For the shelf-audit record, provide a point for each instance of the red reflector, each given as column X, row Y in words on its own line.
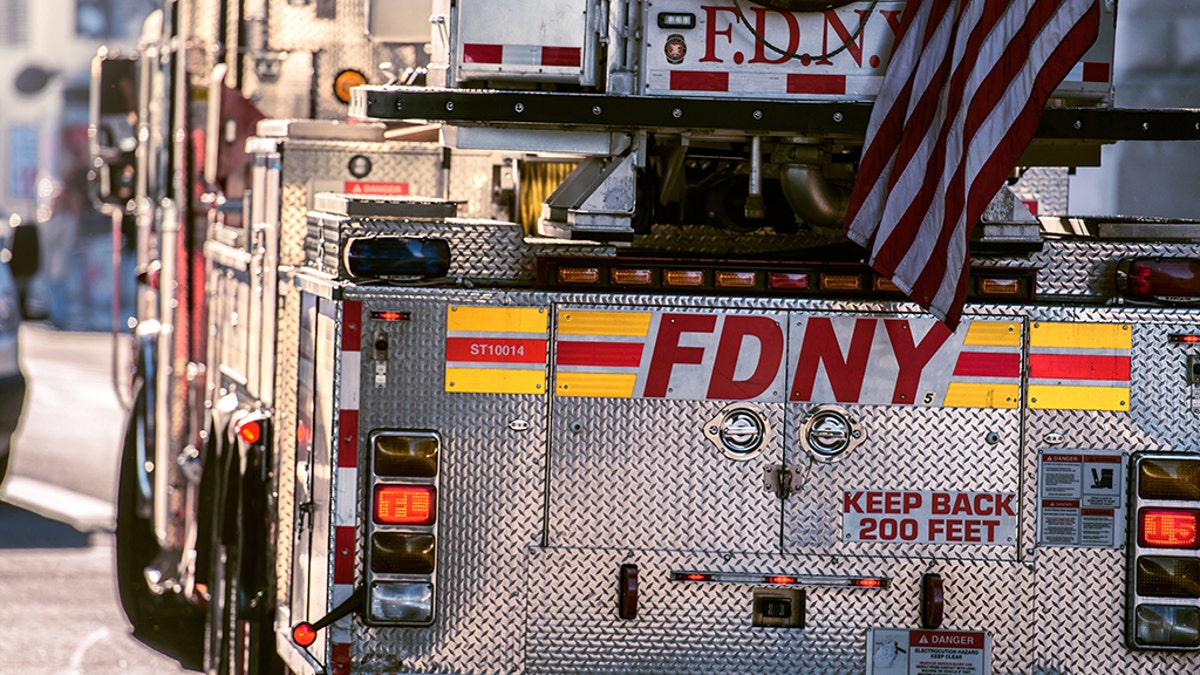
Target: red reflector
column 250, row 432
column 781, row 579
column 304, row 634
column 1167, row 528
column 868, row 583
column 797, row 281
column 405, row 505
column 628, row 591
column 1163, row 278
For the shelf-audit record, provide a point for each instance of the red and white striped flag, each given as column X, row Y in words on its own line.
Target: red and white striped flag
column 959, row 103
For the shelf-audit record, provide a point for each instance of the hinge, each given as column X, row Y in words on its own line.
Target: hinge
column 783, row 480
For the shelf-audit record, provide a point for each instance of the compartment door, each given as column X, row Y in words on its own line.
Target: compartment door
column 642, row 402
column 908, row 436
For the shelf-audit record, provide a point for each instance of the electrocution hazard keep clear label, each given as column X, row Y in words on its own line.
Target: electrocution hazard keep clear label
column 899, row 651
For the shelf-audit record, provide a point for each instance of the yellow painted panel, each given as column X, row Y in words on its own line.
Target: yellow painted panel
column 611, row 385
column 495, row 381
column 576, row 322
column 497, row 319
column 993, row 334
column 1060, row 397
column 982, row 395
column 1081, row 336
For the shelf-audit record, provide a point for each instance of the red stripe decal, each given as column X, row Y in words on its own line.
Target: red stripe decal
column 351, row 326
column 477, row 53
column 1078, row 367
column 343, row 555
column 495, row 350
column 600, row 354
column 1095, row 72
column 340, row 658
column 347, row 439
column 987, row 364
column 561, row 56
column 816, row 84
column 693, row 80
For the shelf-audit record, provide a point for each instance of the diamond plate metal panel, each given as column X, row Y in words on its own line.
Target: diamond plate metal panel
column 705, row 627
column 287, row 359
column 640, row 474
column 1081, row 592
column 310, row 166
column 491, row 499
column 906, row 448
column 1085, row 267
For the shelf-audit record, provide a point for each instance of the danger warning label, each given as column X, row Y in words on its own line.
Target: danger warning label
column 898, row 651
column 929, row 516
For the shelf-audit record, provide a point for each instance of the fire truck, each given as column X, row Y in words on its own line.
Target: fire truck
column 521, row 336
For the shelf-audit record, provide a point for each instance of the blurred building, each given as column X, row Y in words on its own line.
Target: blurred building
column 46, row 47
column 1156, row 65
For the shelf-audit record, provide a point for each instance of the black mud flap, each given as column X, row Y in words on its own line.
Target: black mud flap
column 166, row 623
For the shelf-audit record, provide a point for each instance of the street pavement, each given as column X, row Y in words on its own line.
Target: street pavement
column 59, row 613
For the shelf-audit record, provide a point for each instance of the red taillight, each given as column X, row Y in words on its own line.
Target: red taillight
column 781, row 579
column 304, row 634
column 869, row 583
column 250, row 432
column 405, row 504
column 1167, row 528
column 1161, row 278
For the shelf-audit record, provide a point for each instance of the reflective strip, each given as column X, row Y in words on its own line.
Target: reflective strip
column 496, row 319
column 1081, row 336
column 612, row 385
column 993, row 334
column 1073, row 397
column 579, row 322
column 339, row 660
column 495, row 381
column 523, row 55
column 972, row 395
column 346, row 507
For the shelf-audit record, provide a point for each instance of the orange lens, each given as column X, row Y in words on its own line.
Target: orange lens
column 304, row 634
column 405, row 505
column 250, row 432
column 1167, row 528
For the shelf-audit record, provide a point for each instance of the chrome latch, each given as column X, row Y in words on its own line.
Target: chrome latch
column 783, row 480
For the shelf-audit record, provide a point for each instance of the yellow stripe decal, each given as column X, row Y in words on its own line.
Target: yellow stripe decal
column 1081, row 335
column 1067, row 397
column 986, row 395
column 497, row 319
column 495, row 381
column 577, row 322
column 993, row 334
column 610, row 385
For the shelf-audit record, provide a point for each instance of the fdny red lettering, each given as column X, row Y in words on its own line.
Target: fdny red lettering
column 845, row 372
column 912, row 359
column 737, row 328
column 760, row 23
column 667, row 351
column 711, row 32
column 982, row 504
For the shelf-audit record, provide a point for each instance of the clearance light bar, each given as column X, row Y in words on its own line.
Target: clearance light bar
column 818, row 280
column 807, row 580
column 1163, row 567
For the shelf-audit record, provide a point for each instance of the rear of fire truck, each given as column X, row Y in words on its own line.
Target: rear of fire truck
column 593, row 382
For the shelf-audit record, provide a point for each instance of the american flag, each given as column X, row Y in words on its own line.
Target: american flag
column 959, row 103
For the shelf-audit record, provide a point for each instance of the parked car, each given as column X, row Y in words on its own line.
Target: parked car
column 19, row 260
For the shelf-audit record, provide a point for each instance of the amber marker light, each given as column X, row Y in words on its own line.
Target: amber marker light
column 405, row 505
column 736, row 279
column 629, row 276
column 304, row 634
column 683, row 278
column 578, row 275
column 250, row 432
column 345, row 81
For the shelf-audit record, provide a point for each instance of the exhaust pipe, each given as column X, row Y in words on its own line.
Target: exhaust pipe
column 811, row 197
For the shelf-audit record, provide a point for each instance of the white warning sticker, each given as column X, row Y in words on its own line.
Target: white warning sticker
column 899, row 651
column 929, row 517
column 1081, row 498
